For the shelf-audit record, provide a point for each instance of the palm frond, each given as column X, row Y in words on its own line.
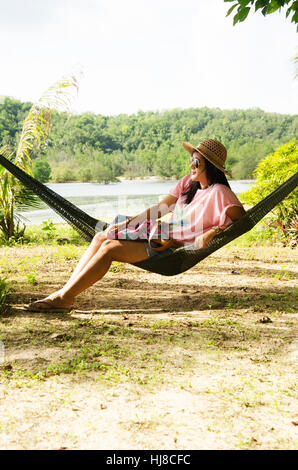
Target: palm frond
column 6, row 182
column 6, row 151
column 36, row 128
column 26, row 200
column 10, row 187
column 37, row 124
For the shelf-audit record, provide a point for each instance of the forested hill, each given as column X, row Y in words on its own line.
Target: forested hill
column 92, row 147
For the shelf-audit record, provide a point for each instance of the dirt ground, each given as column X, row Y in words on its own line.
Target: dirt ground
column 203, row 360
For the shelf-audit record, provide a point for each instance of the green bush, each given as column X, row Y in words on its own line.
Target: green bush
column 86, row 175
column 49, row 228
column 63, row 175
column 102, row 174
column 270, row 173
column 42, row 171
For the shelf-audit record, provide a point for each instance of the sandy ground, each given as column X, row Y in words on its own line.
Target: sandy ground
column 203, row 360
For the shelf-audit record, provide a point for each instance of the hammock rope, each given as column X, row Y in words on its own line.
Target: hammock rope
column 177, row 261
column 83, row 223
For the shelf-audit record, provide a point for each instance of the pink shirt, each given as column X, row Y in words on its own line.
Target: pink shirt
column 207, row 209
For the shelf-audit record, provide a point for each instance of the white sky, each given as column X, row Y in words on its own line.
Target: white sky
column 148, row 54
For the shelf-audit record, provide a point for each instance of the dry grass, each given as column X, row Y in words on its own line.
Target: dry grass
column 204, row 360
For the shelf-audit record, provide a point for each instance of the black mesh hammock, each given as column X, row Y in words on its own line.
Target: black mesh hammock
column 177, row 261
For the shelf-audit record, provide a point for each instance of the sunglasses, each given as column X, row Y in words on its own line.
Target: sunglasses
column 196, row 161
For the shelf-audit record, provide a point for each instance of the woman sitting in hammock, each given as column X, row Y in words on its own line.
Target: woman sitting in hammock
column 202, row 204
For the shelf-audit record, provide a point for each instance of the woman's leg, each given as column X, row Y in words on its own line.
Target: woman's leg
column 95, row 269
column 93, row 248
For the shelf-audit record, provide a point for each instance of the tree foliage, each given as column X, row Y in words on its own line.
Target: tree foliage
column 266, row 7
column 92, row 147
column 270, row 173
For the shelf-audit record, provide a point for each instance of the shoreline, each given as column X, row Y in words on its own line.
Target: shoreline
column 122, row 179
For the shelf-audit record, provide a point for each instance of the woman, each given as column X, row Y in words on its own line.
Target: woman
column 202, row 204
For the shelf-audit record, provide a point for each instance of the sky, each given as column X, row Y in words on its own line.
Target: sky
column 148, row 55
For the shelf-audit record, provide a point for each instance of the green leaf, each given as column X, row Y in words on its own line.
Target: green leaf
column 243, row 3
column 4, row 186
column 236, row 19
column 243, row 13
column 265, row 10
column 231, row 9
column 274, row 5
column 295, row 18
column 260, row 4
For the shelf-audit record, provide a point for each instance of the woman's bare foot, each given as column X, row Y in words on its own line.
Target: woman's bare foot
column 55, row 301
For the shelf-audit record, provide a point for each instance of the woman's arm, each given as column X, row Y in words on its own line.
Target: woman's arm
column 233, row 212
column 165, row 206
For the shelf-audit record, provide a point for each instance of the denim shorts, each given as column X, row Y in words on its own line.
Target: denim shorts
column 160, row 254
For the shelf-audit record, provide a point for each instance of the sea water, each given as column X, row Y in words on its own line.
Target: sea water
column 105, row 201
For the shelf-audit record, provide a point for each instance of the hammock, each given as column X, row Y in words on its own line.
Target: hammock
column 178, row 260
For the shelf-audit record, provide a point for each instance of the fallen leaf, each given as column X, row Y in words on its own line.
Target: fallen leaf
column 265, row 320
column 6, row 367
column 295, row 420
column 57, row 336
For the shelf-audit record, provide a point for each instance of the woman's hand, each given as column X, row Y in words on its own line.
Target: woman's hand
column 112, row 229
column 202, row 240
column 234, row 212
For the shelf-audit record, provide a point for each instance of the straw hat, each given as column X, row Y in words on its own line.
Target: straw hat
column 211, row 149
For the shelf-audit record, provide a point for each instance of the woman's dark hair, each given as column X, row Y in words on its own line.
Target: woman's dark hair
column 214, row 175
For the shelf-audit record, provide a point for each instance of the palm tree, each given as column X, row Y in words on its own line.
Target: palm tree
column 13, row 196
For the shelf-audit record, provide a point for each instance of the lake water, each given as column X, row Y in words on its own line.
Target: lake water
column 105, row 201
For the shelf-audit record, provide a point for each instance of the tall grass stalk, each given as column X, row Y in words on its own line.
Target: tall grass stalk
column 4, row 292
